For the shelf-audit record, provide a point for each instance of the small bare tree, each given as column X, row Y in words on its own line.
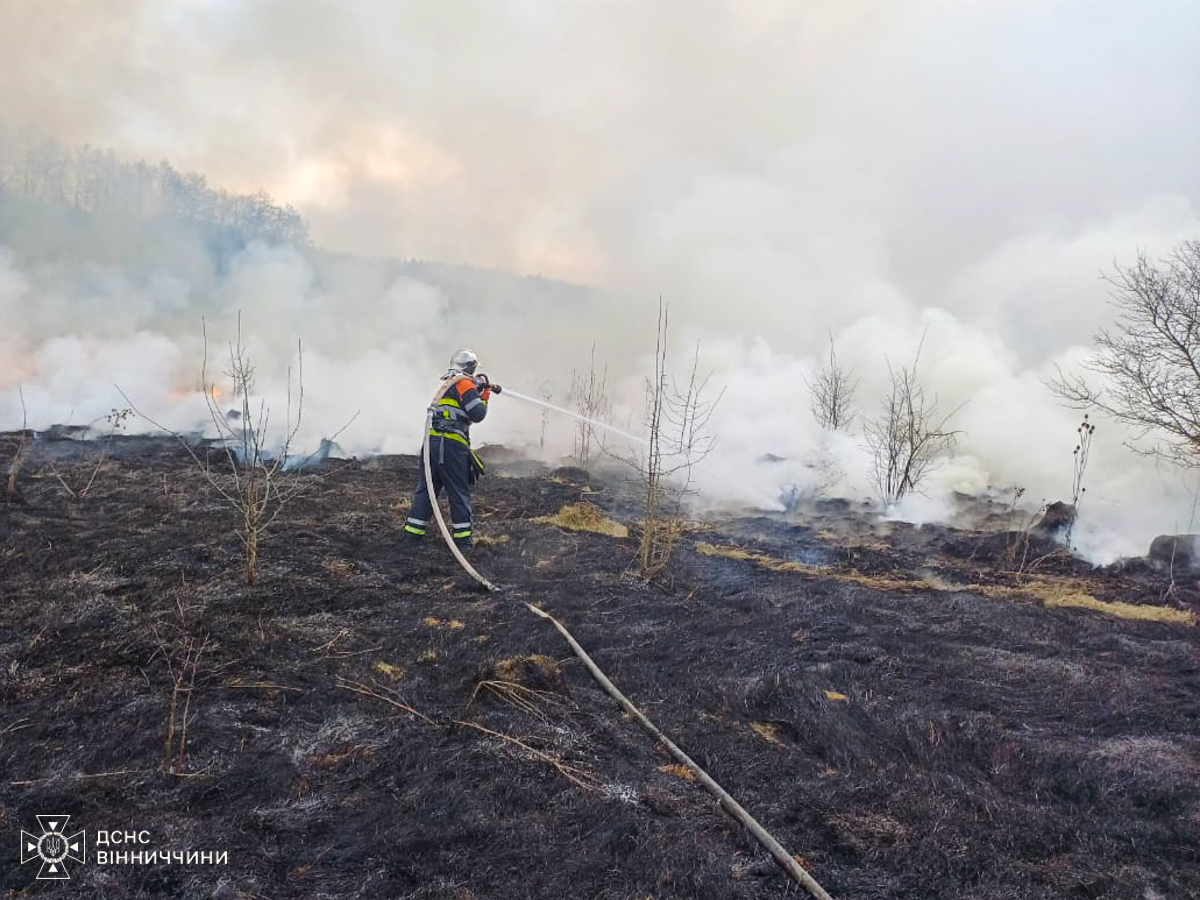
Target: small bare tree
column 677, row 419
column 14, row 465
column 909, row 436
column 546, row 393
column 831, row 393
column 1149, row 364
column 181, row 651
column 257, row 478
column 589, row 393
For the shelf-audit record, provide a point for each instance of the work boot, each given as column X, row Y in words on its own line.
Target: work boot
column 463, row 544
column 410, row 538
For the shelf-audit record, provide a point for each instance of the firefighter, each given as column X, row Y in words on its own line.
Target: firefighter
column 461, row 402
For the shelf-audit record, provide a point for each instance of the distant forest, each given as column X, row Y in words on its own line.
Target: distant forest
column 50, row 190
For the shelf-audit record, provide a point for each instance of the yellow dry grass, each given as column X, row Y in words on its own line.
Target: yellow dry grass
column 340, row 567
column 678, row 771
column 767, row 731
column 836, row 696
column 489, row 540
column 395, row 673
column 878, row 582
column 1051, row 591
column 1145, row 612
column 584, row 517
column 1061, row 592
column 514, row 668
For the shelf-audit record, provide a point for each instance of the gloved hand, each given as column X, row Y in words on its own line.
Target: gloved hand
column 485, row 387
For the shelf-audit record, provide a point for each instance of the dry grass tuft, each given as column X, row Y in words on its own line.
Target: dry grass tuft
column 836, row 696
column 535, row 672
column 393, row 672
column 767, row 731
column 340, row 567
column 487, row 540
column 585, row 517
column 678, row 771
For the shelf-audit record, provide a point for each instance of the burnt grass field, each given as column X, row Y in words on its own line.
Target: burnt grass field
column 897, row 706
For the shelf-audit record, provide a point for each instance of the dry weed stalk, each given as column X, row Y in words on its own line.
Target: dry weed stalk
column 578, row 776
column 116, row 421
column 14, row 466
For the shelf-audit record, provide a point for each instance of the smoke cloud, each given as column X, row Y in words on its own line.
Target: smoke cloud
column 777, row 171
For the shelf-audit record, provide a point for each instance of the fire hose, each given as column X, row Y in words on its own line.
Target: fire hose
column 783, row 859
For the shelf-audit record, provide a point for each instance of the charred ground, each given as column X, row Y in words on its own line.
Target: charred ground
column 894, row 704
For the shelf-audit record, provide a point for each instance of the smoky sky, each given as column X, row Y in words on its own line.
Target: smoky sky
column 758, row 151
column 952, row 175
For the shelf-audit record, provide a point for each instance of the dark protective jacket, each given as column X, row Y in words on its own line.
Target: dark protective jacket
column 459, row 405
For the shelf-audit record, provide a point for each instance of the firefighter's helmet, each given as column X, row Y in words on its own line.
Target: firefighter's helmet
column 465, row 361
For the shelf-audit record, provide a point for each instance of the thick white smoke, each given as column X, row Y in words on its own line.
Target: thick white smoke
column 777, row 171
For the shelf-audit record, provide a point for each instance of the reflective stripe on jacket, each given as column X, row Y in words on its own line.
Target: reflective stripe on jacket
column 458, row 406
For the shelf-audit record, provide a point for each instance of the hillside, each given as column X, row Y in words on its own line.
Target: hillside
column 893, row 703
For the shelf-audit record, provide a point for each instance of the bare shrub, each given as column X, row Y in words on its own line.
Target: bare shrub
column 14, row 465
column 677, row 418
column 1148, row 366
column 910, row 435
column 257, row 478
column 589, row 392
column 831, row 394
column 182, row 665
column 546, row 392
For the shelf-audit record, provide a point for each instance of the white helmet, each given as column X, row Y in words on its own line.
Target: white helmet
column 465, row 361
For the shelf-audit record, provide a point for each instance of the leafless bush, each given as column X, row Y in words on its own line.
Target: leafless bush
column 589, row 393
column 677, row 418
column 182, row 668
column 181, row 651
column 831, row 393
column 257, row 479
column 1149, row 365
column 546, row 393
column 14, row 466
column 910, row 435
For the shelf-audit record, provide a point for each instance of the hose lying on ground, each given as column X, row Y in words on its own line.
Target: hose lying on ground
column 437, row 509
column 783, row 859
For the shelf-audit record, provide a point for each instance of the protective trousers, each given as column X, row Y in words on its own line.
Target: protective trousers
column 450, row 465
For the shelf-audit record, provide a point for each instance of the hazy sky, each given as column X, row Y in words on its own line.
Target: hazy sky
column 626, row 139
column 777, row 169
